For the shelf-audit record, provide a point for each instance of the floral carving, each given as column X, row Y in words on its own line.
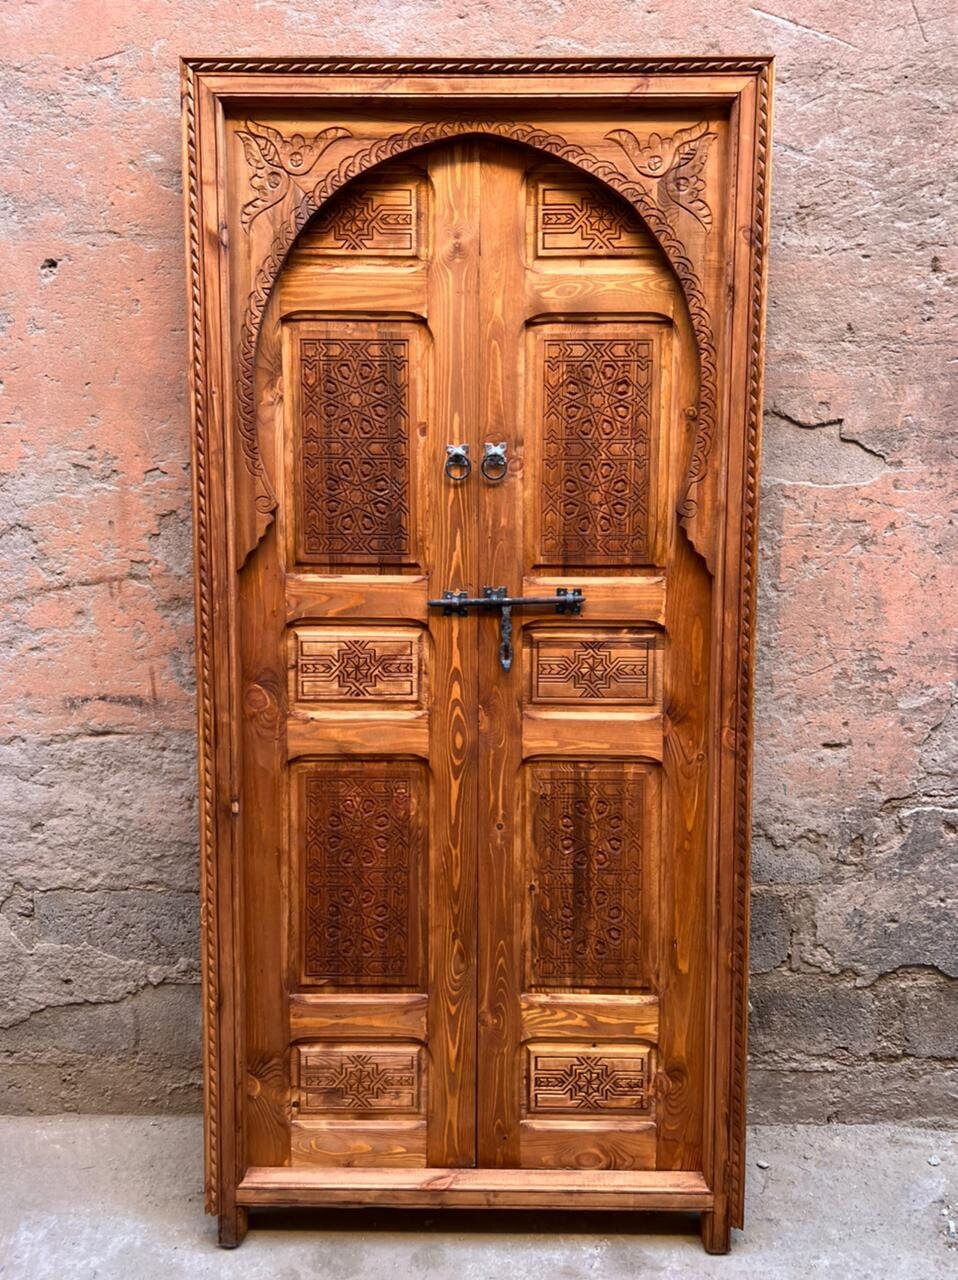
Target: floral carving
column 275, row 160
column 676, row 162
column 586, row 848
column 362, row 842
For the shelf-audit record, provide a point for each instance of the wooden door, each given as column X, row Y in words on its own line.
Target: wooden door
column 477, row 860
column 475, row 873
column 362, row 1037
column 591, row 868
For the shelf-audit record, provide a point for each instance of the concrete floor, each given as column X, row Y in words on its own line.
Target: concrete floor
column 118, row 1198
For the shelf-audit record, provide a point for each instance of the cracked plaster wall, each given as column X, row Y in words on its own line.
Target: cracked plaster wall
column 855, row 988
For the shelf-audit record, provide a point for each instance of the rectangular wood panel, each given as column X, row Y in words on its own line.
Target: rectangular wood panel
column 356, row 392
column 595, row 418
column 582, row 1079
column 361, row 836
column 358, row 1079
column 573, row 219
column 360, row 663
column 370, row 219
column 587, row 857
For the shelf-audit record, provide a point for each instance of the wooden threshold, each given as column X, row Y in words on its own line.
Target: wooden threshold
column 661, row 1190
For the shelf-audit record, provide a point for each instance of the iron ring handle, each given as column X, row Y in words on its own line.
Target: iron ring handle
column 494, row 463
column 458, row 463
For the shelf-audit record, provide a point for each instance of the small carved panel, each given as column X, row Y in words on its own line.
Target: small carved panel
column 583, row 1078
column 363, row 841
column 354, row 467
column 586, row 221
column 359, row 1079
column 356, row 663
column 585, row 847
column 374, row 219
column 596, row 434
column 593, row 667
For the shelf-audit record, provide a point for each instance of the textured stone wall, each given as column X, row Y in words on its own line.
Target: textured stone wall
column 855, row 955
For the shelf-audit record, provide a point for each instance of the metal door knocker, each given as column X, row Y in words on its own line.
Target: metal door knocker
column 494, row 464
column 458, row 464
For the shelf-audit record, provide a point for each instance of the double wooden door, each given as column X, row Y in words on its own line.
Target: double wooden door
column 474, row 877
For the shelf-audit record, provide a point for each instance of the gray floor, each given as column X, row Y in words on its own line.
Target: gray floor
column 119, row 1197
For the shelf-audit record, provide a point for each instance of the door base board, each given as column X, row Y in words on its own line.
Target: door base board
column 659, row 1190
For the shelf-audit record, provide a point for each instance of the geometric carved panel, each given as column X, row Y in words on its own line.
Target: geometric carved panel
column 575, row 220
column 596, row 432
column 581, row 1078
column 359, row 1079
column 585, row 848
column 369, row 218
column 356, row 662
column 363, row 844
column 590, row 667
column 354, row 503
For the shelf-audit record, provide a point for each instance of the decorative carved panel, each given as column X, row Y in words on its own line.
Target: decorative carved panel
column 354, row 467
column 596, row 434
column 363, row 843
column 580, row 1078
column 593, row 667
column 361, row 1079
column 585, row 846
column 354, row 663
column 372, row 219
column 580, row 220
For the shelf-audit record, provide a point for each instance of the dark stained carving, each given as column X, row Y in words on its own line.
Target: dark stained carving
column 596, row 431
column 354, row 451
column 574, row 669
column 363, row 843
column 585, row 853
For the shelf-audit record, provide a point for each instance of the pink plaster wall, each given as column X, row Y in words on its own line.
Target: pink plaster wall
column 855, row 951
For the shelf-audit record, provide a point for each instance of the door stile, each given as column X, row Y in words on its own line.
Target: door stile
column 501, row 914
column 450, row 515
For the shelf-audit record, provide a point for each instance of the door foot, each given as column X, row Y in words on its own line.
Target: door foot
column 233, row 1224
column 716, row 1232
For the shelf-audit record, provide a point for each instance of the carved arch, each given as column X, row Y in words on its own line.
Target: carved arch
column 415, row 138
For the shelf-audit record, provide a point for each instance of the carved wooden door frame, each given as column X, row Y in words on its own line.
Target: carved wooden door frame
column 231, row 271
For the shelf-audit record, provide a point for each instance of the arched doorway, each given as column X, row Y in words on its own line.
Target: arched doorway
column 475, row 856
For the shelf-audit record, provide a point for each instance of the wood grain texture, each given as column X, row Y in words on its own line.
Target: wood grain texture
column 630, row 217
column 478, row 1188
